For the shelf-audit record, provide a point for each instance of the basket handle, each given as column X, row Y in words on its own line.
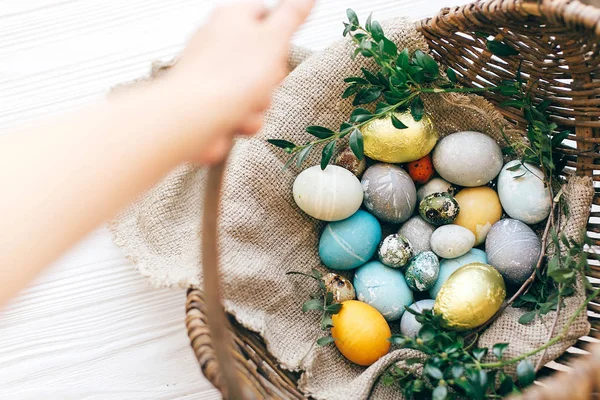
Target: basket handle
column 217, row 320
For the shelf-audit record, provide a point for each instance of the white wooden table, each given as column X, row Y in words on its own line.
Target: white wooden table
column 90, row 327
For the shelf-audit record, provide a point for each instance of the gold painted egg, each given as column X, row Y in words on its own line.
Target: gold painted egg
column 383, row 142
column 470, row 296
column 480, row 208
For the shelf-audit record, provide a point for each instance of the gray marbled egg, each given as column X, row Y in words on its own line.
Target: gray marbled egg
column 418, row 232
column 422, row 272
column 409, row 326
column 468, row 158
column 395, row 251
column 389, row 193
column 513, row 249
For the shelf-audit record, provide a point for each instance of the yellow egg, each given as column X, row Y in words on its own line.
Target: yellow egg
column 361, row 333
column 479, row 209
column 470, row 297
column 383, row 142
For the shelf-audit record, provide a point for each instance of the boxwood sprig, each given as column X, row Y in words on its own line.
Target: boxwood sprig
column 397, row 85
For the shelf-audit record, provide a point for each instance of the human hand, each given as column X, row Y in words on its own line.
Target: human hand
column 228, row 71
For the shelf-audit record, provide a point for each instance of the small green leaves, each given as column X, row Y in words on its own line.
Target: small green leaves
column 525, row 373
column 397, row 123
column 360, row 115
column 501, row 49
column 366, row 95
column 433, row 372
column 427, row 63
column 327, row 153
column 356, row 143
column 319, row 131
column 417, row 108
column 324, row 341
column 376, row 31
column 498, row 350
column 451, row 75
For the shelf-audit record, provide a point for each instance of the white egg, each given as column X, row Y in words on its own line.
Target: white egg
column 522, row 192
column 451, row 241
column 331, row 194
column 468, row 158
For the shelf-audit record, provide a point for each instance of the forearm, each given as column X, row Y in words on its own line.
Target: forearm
column 63, row 179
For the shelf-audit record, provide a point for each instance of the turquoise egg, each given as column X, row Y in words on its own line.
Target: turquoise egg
column 351, row 242
column 449, row 265
column 383, row 288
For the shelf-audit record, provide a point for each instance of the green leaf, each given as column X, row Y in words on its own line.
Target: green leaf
column 328, row 298
column 433, row 372
column 515, row 167
column 513, row 103
column 498, row 350
column 527, row 317
column 528, row 297
column 457, row 371
column 347, row 29
column 326, row 321
column 417, row 108
column 397, row 123
column 479, row 353
column 367, row 95
column 389, row 47
column 356, row 143
column 360, row 116
column 370, row 77
column 284, row 144
column 350, row 91
column 290, row 161
column 312, row 304
column 506, row 385
column 525, row 373
column 451, row 75
column 440, row 393
column 325, row 340
column 376, row 31
column 368, row 23
column 427, row 332
column 403, row 60
column 334, row 308
column 501, row 49
column 352, row 17
column 319, row 131
column 327, row 153
column 508, row 90
column 302, row 155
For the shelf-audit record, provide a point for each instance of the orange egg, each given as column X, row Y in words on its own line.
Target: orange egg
column 421, row 170
column 361, row 333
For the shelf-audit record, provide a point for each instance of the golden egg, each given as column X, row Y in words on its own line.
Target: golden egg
column 470, row 296
column 361, row 333
column 480, row 208
column 384, row 142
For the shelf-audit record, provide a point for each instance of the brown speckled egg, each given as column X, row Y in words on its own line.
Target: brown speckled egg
column 341, row 288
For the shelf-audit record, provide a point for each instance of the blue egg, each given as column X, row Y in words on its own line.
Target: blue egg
column 350, row 243
column 383, row 288
column 449, row 265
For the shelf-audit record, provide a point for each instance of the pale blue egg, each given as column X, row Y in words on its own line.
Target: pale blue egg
column 409, row 326
column 383, row 288
column 449, row 265
column 350, row 243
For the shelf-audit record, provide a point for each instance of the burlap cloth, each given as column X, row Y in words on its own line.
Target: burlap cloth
column 263, row 234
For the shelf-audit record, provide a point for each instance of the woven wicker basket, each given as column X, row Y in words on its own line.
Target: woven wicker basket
column 559, row 43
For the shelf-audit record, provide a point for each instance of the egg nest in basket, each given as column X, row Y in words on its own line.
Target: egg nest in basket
column 437, row 236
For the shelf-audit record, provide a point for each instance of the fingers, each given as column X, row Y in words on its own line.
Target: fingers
column 255, row 9
column 288, row 16
column 252, row 125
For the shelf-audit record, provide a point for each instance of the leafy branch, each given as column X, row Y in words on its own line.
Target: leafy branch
column 396, row 86
column 322, row 301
